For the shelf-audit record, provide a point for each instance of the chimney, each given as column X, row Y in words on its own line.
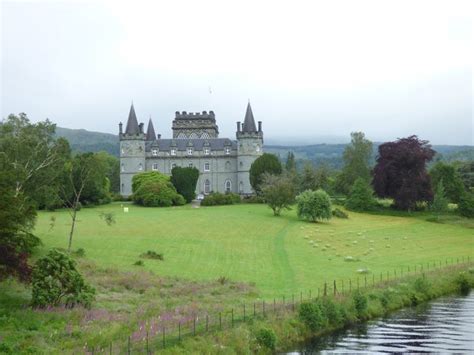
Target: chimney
column 120, row 128
column 141, row 127
column 159, row 136
column 238, row 126
column 260, row 126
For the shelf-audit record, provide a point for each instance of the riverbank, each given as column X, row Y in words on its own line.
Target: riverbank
column 282, row 331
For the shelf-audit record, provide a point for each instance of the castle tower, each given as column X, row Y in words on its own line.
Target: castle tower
column 195, row 125
column 132, row 151
column 249, row 148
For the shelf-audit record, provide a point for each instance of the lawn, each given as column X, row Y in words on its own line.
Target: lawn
column 246, row 243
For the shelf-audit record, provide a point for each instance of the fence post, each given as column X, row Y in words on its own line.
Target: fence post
column 232, row 316
column 220, row 320
column 325, row 289
column 254, row 310
column 194, row 325
column 318, row 292
column 244, row 312
column 110, row 349
column 357, row 283
column 179, row 331
column 373, row 280
column 147, row 349
column 342, row 286
column 283, row 302
column 335, row 288
column 293, row 302
column 310, row 295
column 128, row 345
column 365, row 278
column 263, row 307
column 381, row 277
column 301, row 297
column 164, row 337
column 207, row 323
column 350, row 285
column 274, row 305
column 395, row 273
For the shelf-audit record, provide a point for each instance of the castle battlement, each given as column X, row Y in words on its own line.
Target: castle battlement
column 195, row 115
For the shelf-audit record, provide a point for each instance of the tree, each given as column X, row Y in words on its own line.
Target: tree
column 278, row 192
column 153, row 189
column 361, row 197
column 56, row 280
column 266, row 163
column 314, row 205
column 440, row 202
column 185, row 180
column 466, row 172
column 357, row 157
column 290, row 165
column 452, row 182
column 308, row 178
column 400, row 172
column 112, row 170
column 466, row 205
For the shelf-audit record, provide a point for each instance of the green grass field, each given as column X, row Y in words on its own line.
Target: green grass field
column 246, row 243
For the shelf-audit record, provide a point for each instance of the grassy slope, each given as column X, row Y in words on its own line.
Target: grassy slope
column 246, row 243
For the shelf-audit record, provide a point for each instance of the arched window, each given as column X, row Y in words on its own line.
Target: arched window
column 140, row 167
column 227, row 165
column 193, row 136
column 241, row 187
column 241, row 164
column 123, row 188
column 207, row 186
column 205, row 135
column 181, row 136
column 228, row 186
column 123, row 167
column 257, row 148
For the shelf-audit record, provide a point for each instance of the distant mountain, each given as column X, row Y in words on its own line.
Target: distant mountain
column 81, row 140
column 329, row 154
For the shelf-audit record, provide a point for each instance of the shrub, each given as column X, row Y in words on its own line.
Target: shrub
column 266, row 337
column 360, row 304
column 139, row 263
column 217, row 198
column 79, row 252
column 440, row 202
column 253, row 199
column 463, row 283
column 311, row 315
column 339, row 213
column 152, row 189
column 266, row 163
column 56, row 280
column 466, row 205
column 150, row 254
column 314, row 205
column 361, row 197
column 185, row 180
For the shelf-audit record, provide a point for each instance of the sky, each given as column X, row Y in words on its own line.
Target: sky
column 314, row 71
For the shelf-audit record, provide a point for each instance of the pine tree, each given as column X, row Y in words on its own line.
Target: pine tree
column 361, row 197
column 440, row 201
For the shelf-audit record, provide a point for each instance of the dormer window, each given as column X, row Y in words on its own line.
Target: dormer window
column 173, row 151
column 227, row 150
column 154, row 152
column 207, row 151
column 190, row 151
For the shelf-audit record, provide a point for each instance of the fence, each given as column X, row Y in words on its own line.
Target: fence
column 155, row 335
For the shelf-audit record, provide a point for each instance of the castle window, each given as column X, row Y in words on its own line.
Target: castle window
column 227, row 165
column 227, row 150
column 140, row 167
column 241, row 187
column 228, row 186
column 241, row 164
column 154, row 152
column 173, row 165
column 207, row 187
column 190, row 151
column 123, row 188
column 207, row 166
column 173, row 151
column 154, row 166
column 123, row 151
column 257, row 148
column 190, row 165
column 207, row 151
column 123, row 168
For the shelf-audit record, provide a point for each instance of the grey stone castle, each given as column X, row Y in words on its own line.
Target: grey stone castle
column 223, row 163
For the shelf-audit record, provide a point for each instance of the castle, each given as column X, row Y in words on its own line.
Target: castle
column 223, row 163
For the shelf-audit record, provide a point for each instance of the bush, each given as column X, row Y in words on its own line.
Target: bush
column 314, row 205
column 266, row 163
column 139, row 263
column 185, row 180
column 311, row 315
column 79, row 252
column 152, row 189
column 266, row 337
column 361, row 197
column 466, row 206
column 463, row 283
column 360, row 304
column 253, row 199
column 55, row 280
column 217, row 198
column 150, row 254
column 339, row 213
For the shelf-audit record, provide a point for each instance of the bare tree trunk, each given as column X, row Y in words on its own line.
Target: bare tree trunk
column 74, row 212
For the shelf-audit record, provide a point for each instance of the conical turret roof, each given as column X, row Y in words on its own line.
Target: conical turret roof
column 132, row 123
column 150, row 132
column 249, row 122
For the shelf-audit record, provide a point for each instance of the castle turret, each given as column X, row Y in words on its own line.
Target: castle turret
column 132, row 152
column 250, row 147
column 150, row 132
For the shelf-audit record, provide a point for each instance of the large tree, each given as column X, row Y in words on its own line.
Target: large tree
column 451, row 180
column 185, row 180
column 400, row 172
column 357, row 157
column 278, row 191
column 266, row 163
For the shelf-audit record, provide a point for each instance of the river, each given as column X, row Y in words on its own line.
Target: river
column 445, row 325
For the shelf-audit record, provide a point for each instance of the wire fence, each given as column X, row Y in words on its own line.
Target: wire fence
column 162, row 332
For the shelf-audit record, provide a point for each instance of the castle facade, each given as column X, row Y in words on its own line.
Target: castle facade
column 223, row 163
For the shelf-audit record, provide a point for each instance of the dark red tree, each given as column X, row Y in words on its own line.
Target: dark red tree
column 400, row 172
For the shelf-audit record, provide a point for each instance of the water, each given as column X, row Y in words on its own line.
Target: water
column 442, row 326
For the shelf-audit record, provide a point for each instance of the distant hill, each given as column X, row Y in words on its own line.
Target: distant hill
column 329, row 154
column 87, row 141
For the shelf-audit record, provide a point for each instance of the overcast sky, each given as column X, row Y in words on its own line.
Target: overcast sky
column 313, row 70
